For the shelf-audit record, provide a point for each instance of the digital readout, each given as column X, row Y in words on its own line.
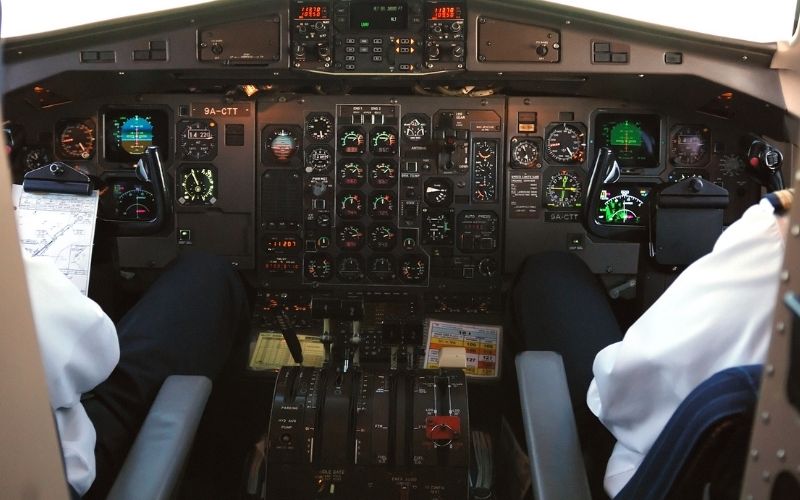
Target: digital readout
column 445, row 12
column 313, row 12
column 282, row 243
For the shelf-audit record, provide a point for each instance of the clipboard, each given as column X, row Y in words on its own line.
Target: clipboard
column 57, row 177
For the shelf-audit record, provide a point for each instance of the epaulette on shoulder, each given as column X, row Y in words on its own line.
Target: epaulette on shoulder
column 781, row 200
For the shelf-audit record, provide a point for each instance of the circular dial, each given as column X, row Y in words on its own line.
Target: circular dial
column 484, row 174
column 623, row 208
column 566, row 143
column 381, row 204
column 352, row 141
column 352, row 173
column 382, row 237
column 136, row 204
column 731, row 165
column 319, row 159
column 318, row 267
column 563, row 190
column 383, row 173
column 525, row 153
column 383, row 141
column 438, row 192
column 350, row 205
column 689, row 146
column 282, row 144
column 319, row 126
column 438, row 229
column 415, row 128
column 413, row 268
column 350, row 237
column 350, row 268
column 198, row 185
column 381, row 268
column 76, row 140
column 483, row 189
column 35, row 157
column 197, row 139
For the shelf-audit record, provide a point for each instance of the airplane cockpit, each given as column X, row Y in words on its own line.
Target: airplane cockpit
column 377, row 172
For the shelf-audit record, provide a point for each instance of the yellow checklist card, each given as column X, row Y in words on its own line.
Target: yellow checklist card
column 269, row 352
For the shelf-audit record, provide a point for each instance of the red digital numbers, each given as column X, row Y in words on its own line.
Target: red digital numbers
column 440, row 13
column 313, row 12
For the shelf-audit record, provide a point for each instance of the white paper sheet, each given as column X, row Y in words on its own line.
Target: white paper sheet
column 59, row 227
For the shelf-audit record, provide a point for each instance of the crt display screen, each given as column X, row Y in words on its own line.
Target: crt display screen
column 129, row 132
column 378, row 16
column 623, row 205
column 634, row 138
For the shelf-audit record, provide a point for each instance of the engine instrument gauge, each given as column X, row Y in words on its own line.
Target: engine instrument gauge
column 197, row 139
column 350, row 237
column 413, row 269
column 484, row 172
column 318, row 267
column 76, row 139
column 383, row 141
column 381, row 268
column 381, row 205
column 563, row 190
column 352, row 173
column 689, row 146
column 352, row 141
column 350, row 205
column 136, row 203
column 197, row 185
column 383, row 174
column 622, row 205
column 525, row 153
column 566, row 143
column 350, row 268
column 281, row 143
column 382, row 237
column 319, row 126
column 319, row 159
column 731, row 165
column 438, row 192
column 437, row 228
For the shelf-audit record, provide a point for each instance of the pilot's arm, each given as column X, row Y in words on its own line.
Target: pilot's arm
column 79, row 347
column 716, row 315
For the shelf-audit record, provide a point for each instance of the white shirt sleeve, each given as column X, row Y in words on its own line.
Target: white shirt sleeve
column 716, row 315
column 79, row 347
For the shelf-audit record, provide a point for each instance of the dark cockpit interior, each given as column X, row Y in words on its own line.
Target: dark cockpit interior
column 373, row 167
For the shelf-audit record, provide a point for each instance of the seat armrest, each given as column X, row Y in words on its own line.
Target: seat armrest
column 557, row 468
column 156, row 459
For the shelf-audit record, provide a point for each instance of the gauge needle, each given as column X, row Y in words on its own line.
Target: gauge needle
column 194, row 176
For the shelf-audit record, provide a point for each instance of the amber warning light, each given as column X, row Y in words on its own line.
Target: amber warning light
column 313, row 12
column 445, row 12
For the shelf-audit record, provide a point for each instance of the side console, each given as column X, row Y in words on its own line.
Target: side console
column 368, row 434
column 371, row 36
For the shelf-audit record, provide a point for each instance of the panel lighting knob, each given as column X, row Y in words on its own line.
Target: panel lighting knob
column 542, row 50
column 216, row 48
column 433, row 51
column 458, row 51
column 323, row 51
column 455, row 27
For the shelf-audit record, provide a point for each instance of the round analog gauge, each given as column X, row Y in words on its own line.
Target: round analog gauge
column 352, row 141
column 689, row 146
column 35, row 157
column 438, row 192
column 731, row 165
column 382, row 237
column 381, row 205
column 76, row 140
column 622, row 208
column 381, row 268
column 318, row 267
column 438, row 229
column 415, row 128
column 563, row 190
column 136, row 204
column 483, row 189
column 350, row 205
column 318, row 159
column 413, row 269
column 352, row 173
column 319, row 126
column 566, row 143
column 383, row 141
column 525, row 153
column 197, row 186
column 197, row 139
column 350, row 268
column 350, row 237
column 282, row 144
column 383, row 173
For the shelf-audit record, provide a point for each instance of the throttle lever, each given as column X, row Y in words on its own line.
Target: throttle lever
column 765, row 163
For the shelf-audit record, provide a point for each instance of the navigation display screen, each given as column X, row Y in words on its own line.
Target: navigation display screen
column 378, row 16
column 129, row 132
column 634, row 138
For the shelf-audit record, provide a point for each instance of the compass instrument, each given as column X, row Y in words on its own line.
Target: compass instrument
column 563, row 190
